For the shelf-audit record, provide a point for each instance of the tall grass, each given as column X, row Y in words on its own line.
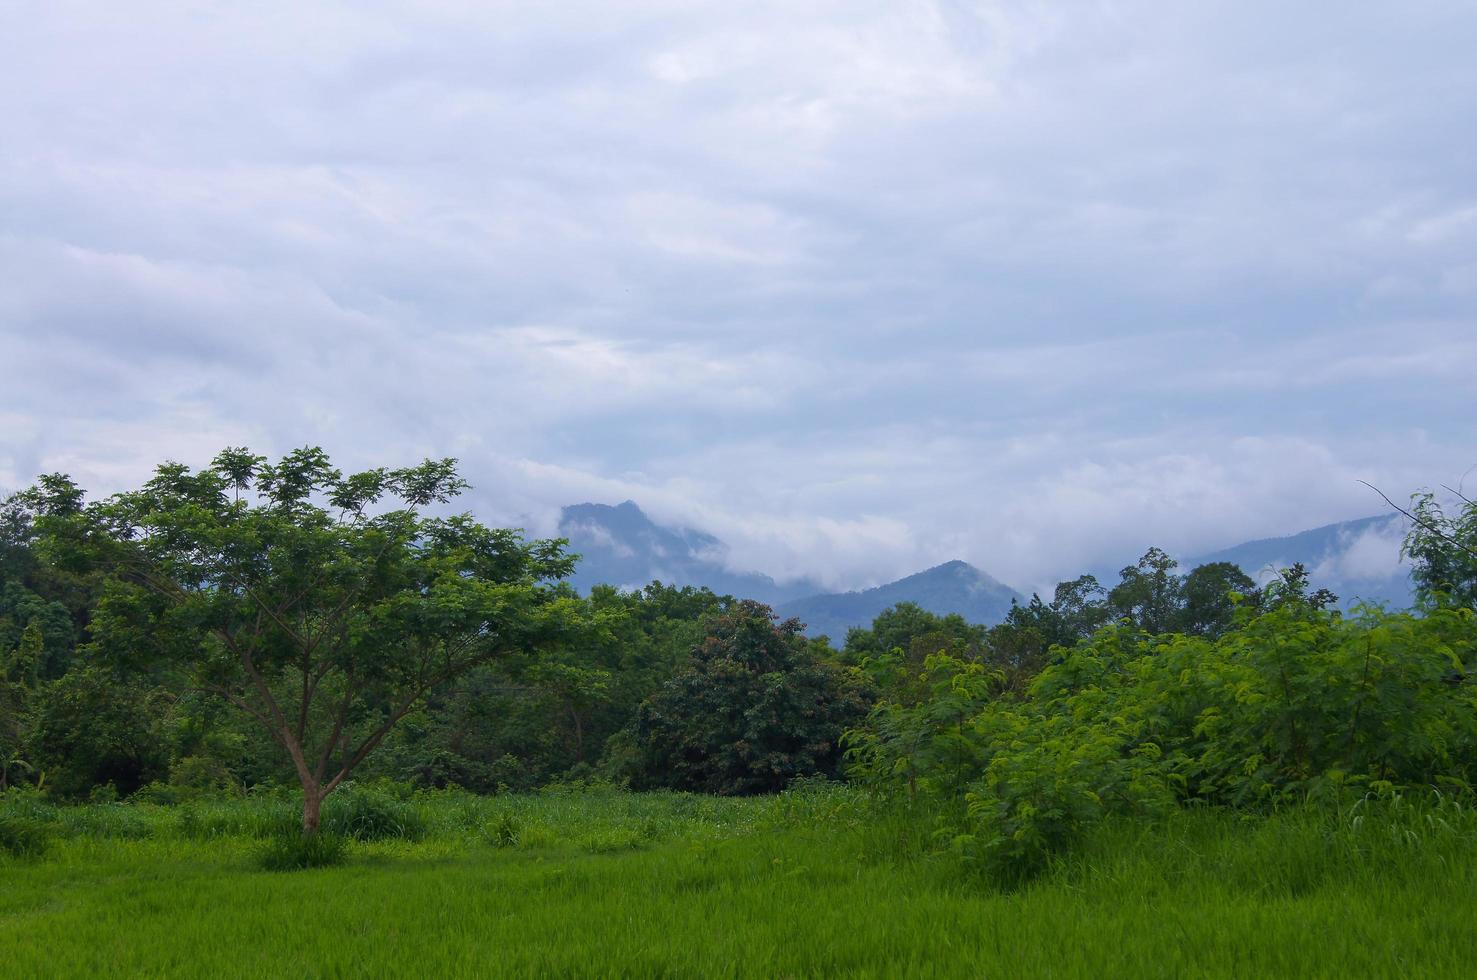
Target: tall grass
column 811, row 883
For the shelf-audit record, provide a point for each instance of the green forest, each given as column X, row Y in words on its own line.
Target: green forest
column 469, row 768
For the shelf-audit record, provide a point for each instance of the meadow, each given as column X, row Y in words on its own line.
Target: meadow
column 812, row 882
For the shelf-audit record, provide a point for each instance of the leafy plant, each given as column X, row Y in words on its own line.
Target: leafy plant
column 300, row 852
column 24, row 838
column 503, row 831
column 367, row 815
column 1295, row 702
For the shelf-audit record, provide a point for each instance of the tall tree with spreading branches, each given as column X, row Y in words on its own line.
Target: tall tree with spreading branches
column 324, row 606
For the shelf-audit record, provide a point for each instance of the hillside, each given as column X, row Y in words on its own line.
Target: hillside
column 953, row 587
column 619, row 545
column 1358, row 559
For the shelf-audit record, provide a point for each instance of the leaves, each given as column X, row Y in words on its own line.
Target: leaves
column 324, row 606
column 751, row 710
column 1297, row 701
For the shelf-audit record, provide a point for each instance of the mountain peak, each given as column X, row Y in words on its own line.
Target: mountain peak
column 953, row 587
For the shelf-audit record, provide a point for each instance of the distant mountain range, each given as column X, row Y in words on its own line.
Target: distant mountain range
column 953, row 587
column 621, row 546
column 1358, row 560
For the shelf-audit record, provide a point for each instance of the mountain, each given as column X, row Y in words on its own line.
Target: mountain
column 1358, row 560
column 621, row 546
column 953, row 587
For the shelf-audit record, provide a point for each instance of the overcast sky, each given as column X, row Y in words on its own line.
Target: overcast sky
column 857, row 286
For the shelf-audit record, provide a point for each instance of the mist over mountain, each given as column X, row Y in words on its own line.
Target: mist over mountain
column 619, row 545
column 1359, row 560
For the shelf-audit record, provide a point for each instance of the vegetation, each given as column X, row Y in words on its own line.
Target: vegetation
column 274, row 667
column 751, row 710
column 806, row 883
column 1298, row 703
column 291, row 592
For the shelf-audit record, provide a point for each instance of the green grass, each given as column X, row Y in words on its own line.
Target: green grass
column 668, row 885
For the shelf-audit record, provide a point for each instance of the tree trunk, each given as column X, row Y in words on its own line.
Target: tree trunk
column 312, row 809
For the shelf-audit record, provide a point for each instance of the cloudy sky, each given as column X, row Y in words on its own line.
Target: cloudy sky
column 858, row 286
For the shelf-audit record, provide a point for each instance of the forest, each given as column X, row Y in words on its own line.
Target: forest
column 263, row 665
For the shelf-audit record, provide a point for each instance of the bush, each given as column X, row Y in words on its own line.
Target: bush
column 296, row 852
column 372, row 814
column 505, row 831
column 1296, row 703
column 23, row 838
column 92, row 730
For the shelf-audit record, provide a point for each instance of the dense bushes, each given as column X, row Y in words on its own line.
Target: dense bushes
column 366, row 814
column 93, row 729
column 1296, row 703
column 23, row 837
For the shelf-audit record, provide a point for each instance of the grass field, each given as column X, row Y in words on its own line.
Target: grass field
column 807, row 884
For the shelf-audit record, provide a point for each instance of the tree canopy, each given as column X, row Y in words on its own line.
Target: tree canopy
column 325, row 607
column 751, row 710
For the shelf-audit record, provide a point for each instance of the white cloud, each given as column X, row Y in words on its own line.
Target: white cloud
column 857, row 286
column 1372, row 555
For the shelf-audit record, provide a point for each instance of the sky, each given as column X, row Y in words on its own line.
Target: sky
column 857, row 286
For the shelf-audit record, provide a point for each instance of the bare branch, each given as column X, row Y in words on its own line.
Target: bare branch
column 1457, row 493
column 1424, row 523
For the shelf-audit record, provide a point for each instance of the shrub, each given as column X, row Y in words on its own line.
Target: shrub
column 505, row 831
column 23, row 838
column 92, row 730
column 372, row 814
column 1297, row 702
column 296, row 852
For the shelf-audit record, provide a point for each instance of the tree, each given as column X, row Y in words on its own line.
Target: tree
column 1081, row 606
column 1209, row 607
column 750, row 711
column 1442, row 550
column 1148, row 594
column 325, row 607
column 20, row 671
column 916, row 632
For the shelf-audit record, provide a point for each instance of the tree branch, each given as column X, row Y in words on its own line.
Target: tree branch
column 1423, row 523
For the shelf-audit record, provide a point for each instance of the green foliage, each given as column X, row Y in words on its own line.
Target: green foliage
column 750, row 711
column 1297, row 702
column 1442, row 550
column 920, row 745
column 1210, row 595
column 368, row 814
column 916, row 633
column 22, row 837
column 325, row 607
column 1149, row 594
column 548, row 715
column 301, row 852
column 93, row 729
column 504, row 831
